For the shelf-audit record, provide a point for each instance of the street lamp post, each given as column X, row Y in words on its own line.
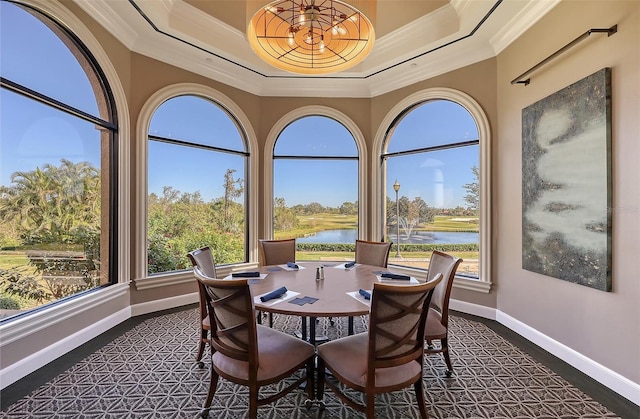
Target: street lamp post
column 396, row 187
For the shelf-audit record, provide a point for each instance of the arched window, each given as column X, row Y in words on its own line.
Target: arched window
column 197, row 162
column 315, row 187
column 434, row 166
column 58, row 172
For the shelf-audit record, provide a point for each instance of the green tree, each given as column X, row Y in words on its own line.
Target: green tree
column 232, row 189
column 52, row 204
column 349, row 208
column 283, row 218
column 59, row 207
column 472, row 198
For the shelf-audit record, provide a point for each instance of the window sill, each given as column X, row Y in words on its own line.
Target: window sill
column 181, row 277
column 460, row 282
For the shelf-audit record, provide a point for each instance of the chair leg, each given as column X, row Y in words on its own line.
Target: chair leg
column 429, row 345
column 321, row 378
column 447, row 358
column 310, row 380
column 253, row 402
column 213, row 385
column 203, row 343
column 350, row 325
column 271, row 320
column 418, row 386
column 371, row 406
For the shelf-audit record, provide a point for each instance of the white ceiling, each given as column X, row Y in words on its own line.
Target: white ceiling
column 415, row 40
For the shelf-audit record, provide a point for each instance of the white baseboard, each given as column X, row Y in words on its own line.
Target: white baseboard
column 605, row 376
column 473, row 309
column 164, row 304
column 33, row 362
column 26, row 366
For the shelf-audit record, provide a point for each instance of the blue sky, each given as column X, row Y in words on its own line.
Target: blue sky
column 24, row 144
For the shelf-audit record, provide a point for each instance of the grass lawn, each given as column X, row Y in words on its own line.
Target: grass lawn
column 452, row 223
column 310, row 224
column 12, row 258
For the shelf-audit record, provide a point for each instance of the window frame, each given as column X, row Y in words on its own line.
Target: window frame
column 17, row 328
column 251, row 168
column 379, row 175
column 79, row 38
column 272, row 138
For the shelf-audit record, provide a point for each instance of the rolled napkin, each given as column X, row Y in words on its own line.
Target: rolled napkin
column 349, row 265
column 292, row 265
column 246, row 275
column 365, row 294
column 274, row 294
column 389, row 275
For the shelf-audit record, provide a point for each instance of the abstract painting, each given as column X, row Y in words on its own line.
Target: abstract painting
column 566, row 183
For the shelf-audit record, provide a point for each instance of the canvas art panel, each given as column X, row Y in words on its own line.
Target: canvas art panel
column 566, row 183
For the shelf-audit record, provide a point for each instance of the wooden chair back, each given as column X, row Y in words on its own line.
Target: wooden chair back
column 447, row 265
column 396, row 325
column 203, row 259
column 373, row 253
column 232, row 316
column 277, row 252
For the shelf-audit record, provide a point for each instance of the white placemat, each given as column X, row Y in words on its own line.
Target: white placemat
column 286, row 268
column 342, row 266
column 230, row 276
column 285, row 297
column 397, row 281
column 357, row 296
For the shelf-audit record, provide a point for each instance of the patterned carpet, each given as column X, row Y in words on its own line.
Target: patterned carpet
column 148, row 372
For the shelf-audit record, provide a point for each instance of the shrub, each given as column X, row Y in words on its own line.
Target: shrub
column 8, row 303
column 408, row 248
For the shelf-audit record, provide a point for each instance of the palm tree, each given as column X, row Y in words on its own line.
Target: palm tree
column 49, row 204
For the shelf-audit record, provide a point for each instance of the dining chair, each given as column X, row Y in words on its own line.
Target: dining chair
column 277, row 252
column 369, row 253
column 373, row 253
column 389, row 356
column 437, row 327
column 247, row 353
column 203, row 259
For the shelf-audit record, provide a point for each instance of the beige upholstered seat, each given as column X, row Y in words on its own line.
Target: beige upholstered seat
column 389, row 356
column 277, row 252
column 203, row 259
column 437, row 326
column 373, row 253
column 247, row 353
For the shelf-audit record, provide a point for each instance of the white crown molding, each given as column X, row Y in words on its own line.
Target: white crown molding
column 414, row 38
column 221, row 52
column 124, row 26
column 520, row 23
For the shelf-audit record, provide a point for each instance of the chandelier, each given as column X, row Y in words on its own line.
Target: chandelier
column 311, row 36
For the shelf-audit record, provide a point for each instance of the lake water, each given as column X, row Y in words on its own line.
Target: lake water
column 421, row 237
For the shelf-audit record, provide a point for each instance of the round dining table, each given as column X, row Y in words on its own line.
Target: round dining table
column 337, row 295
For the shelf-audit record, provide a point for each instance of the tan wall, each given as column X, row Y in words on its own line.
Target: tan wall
column 603, row 326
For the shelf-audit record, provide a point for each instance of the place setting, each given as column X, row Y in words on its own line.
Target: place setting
column 385, row 276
